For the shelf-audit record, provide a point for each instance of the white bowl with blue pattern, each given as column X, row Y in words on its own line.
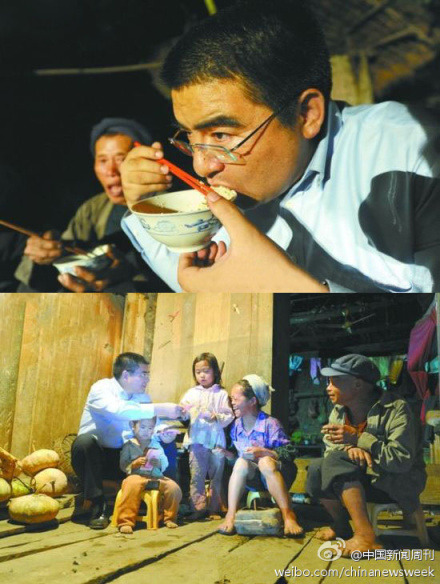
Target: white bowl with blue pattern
column 188, row 228
column 96, row 260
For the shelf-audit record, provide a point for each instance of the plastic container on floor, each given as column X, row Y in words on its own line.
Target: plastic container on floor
column 259, row 522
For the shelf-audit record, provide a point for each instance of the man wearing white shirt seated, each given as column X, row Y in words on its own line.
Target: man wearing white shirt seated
column 110, row 406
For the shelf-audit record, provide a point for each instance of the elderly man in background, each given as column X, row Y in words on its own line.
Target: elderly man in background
column 373, row 453
column 96, row 221
column 111, row 404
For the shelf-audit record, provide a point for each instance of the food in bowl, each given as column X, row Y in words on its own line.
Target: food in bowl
column 95, row 260
column 180, row 220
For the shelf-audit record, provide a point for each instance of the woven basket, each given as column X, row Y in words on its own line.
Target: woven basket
column 62, row 447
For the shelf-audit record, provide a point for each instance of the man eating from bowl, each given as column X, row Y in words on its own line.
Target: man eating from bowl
column 96, row 221
column 251, row 94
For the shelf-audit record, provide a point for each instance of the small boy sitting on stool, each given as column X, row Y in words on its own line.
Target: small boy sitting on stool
column 143, row 459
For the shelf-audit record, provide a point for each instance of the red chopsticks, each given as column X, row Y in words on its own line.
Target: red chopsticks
column 75, row 250
column 189, row 179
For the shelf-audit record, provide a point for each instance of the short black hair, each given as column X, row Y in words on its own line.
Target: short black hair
column 275, row 48
column 213, row 363
column 127, row 362
column 133, row 423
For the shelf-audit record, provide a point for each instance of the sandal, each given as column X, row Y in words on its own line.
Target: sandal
column 198, row 515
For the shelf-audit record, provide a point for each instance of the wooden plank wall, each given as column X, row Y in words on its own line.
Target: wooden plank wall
column 53, row 347
column 12, row 309
column 237, row 328
column 56, row 346
column 138, row 326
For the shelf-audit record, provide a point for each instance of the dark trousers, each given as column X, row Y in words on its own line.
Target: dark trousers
column 93, row 463
column 326, row 476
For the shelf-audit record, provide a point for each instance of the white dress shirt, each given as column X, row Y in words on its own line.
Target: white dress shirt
column 109, row 409
column 365, row 215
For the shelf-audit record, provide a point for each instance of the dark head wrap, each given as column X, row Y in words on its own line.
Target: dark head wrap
column 136, row 131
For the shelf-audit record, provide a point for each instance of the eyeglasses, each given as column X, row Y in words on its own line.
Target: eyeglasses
column 140, row 373
column 220, row 153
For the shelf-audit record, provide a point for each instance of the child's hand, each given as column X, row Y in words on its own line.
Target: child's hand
column 219, row 451
column 185, row 409
column 168, row 436
column 138, row 462
column 208, row 416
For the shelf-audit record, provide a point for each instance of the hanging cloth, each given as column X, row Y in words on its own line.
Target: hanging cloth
column 420, row 341
column 295, row 362
column 383, row 364
column 315, row 370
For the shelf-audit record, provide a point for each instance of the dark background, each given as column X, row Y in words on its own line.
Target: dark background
column 45, row 121
column 45, row 162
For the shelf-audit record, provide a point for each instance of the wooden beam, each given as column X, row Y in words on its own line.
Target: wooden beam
column 280, row 359
column 368, row 15
column 313, row 315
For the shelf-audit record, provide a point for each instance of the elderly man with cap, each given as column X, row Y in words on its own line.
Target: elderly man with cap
column 97, row 221
column 373, row 453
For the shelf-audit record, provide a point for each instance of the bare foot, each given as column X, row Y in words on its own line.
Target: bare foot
column 291, row 526
column 171, row 524
column 228, row 525
column 329, row 533
column 362, row 544
column 126, row 529
column 326, row 534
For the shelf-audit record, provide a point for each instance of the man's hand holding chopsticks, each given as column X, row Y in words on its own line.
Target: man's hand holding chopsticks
column 43, row 250
column 141, row 174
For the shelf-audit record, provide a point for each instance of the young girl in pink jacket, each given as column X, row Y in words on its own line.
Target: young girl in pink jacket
column 207, row 407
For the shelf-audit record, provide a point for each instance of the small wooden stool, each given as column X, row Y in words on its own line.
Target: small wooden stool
column 151, row 500
column 419, row 529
